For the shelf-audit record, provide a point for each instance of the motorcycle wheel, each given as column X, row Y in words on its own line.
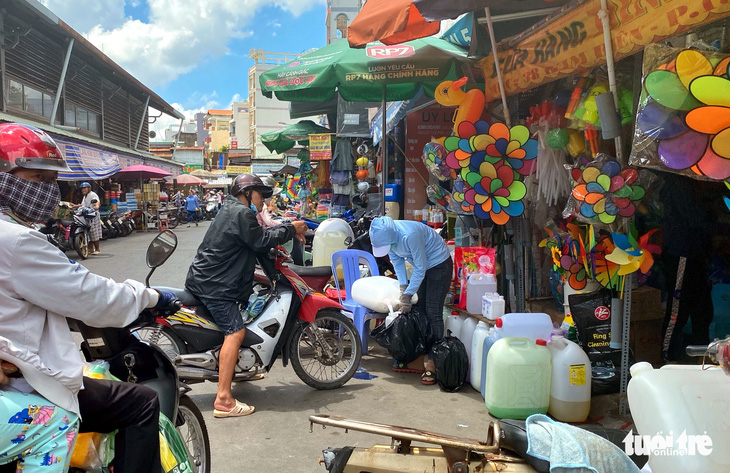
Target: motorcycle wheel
column 307, row 354
column 172, row 221
column 164, row 338
column 194, row 435
column 81, row 245
column 128, row 228
column 105, row 233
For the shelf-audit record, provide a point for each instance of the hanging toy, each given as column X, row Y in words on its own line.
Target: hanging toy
column 434, row 156
column 441, row 197
column 470, row 103
column 558, row 138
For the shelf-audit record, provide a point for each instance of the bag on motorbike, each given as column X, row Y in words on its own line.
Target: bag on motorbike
column 406, row 338
column 452, row 363
column 173, row 456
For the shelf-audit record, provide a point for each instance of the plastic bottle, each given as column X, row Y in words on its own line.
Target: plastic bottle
column 487, row 345
column 528, row 325
column 477, row 350
column 570, row 388
column 467, row 333
column 518, row 378
column 453, row 324
column 492, row 306
column 476, row 286
column 568, row 327
column 684, row 401
column 256, row 304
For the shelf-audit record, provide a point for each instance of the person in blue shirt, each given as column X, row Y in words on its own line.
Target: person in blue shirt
column 191, row 205
column 426, row 251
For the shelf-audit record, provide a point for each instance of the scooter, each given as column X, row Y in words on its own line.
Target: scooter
column 138, row 362
column 211, row 208
column 303, row 327
column 72, row 234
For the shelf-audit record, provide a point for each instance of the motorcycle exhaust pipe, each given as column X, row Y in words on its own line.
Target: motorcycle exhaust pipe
column 192, row 373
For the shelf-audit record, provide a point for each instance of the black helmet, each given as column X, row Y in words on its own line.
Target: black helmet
column 250, row 182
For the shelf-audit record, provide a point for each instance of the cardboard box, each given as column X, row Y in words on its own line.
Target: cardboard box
column 646, row 304
column 645, row 340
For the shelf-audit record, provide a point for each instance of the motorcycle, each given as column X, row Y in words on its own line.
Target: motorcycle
column 73, row 234
column 108, row 227
column 138, row 362
column 303, row 327
column 504, row 450
column 210, row 210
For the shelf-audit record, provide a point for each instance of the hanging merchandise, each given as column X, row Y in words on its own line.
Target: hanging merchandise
column 683, row 122
column 434, row 157
column 604, row 191
column 470, row 103
column 290, row 186
column 491, row 160
column 440, row 197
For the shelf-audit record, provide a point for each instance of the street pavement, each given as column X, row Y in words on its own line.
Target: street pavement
column 277, row 436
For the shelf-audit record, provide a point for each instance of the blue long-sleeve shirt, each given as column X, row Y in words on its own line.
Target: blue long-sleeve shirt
column 191, row 203
column 409, row 241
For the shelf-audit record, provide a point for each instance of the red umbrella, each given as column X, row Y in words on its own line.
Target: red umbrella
column 141, row 171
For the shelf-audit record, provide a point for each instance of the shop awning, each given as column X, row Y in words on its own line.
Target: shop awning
column 87, row 163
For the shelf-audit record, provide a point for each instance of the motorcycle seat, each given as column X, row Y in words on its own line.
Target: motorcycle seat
column 66, row 223
column 514, row 438
column 313, row 271
column 187, row 298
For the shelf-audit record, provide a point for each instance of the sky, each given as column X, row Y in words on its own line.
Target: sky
column 194, row 53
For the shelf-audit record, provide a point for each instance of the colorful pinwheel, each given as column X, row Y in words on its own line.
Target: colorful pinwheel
column 607, row 192
column 689, row 113
column 434, row 157
column 494, row 193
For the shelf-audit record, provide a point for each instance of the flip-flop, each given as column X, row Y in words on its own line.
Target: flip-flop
column 239, row 410
column 428, row 378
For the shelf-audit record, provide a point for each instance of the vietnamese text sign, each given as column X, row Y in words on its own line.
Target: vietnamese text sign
column 574, row 42
column 238, row 170
column 188, row 168
column 320, row 147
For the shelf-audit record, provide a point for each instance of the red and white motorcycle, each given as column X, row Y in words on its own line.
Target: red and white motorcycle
column 296, row 323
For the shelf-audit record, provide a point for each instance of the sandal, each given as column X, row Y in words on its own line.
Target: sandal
column 399, row 367
column 428, row 378
column 239, row 410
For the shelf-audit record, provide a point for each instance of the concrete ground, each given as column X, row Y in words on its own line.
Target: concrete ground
column 276, row 437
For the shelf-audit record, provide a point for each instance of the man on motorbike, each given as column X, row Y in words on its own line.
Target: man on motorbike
column 90, row 199
column 221, row 275
column 420, row 245
column 39, row 289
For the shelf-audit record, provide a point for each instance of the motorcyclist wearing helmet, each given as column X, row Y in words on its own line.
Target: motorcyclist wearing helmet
column 221, row 275
column 91, row 200
column 39, row 289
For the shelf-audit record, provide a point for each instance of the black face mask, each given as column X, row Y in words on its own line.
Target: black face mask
column 31, row 201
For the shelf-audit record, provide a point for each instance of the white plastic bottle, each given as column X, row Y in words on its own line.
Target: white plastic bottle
column 492, row 306
column 453, row 324
column 475, row 359
column 527, row 325
column 476, row 286
column 467, row 333
column 489, row 341
column 570, row 389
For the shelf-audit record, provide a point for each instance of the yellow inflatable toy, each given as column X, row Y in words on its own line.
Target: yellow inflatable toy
column 470, row 103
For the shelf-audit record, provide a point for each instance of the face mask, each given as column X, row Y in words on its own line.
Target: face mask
column 253, row 207
column 31, row 201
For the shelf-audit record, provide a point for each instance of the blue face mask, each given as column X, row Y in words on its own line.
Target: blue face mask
column 253, row 207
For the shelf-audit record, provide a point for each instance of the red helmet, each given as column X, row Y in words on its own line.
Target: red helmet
column 28, row 147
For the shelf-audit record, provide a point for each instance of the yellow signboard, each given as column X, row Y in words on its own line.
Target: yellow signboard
column 320, row 147
column 574, row 42
column 238, row 169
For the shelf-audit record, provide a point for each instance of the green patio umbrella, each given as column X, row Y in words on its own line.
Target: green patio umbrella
column 286, row 139
column 371, row 74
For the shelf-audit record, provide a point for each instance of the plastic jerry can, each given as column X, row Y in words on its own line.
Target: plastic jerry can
column 467, row 333
column 476, row 286
column 475, row 358
column 453, row 324
column 492, row 306
column 528, row 325
column 518, row 378
column 688, row 407
column 332, row 235
column 488, row 343
column 570, row 388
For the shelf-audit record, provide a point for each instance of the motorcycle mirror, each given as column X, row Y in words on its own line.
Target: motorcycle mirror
column 161, row 248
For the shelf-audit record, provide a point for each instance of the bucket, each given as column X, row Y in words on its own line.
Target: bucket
column 518, row 379
column 570, row 388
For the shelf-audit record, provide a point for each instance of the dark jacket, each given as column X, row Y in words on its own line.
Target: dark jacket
column 224, row 265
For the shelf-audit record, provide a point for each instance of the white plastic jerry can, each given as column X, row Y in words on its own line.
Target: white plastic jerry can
column 475, row 358
column 570, row 388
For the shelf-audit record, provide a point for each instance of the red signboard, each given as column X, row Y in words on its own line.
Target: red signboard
column 421, row 127
column 234, row 144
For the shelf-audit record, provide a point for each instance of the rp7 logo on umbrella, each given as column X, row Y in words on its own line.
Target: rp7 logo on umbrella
column 389, row 52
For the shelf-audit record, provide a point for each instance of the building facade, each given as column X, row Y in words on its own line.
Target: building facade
column 51, row 77
column 265, row 114
column 340, row 14
column 240, row 133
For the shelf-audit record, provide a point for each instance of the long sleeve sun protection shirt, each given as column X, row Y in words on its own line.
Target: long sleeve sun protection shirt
column 39, row 288
column 224, row 265
column 409, row 241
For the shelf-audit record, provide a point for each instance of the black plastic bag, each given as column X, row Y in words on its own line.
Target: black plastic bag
column 407, row 338
column 452, row 363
